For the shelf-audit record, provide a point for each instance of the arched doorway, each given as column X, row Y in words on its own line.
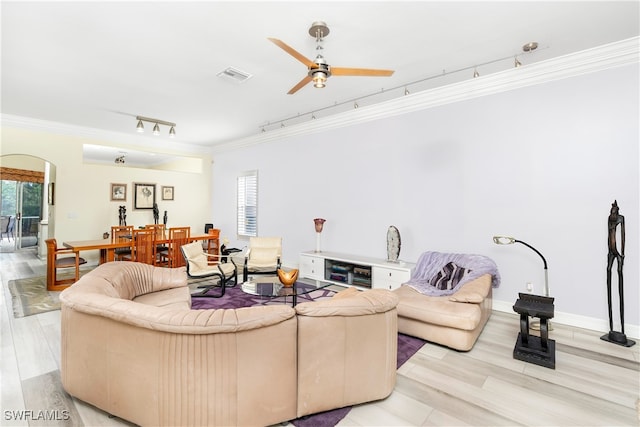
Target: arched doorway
column 25, row 188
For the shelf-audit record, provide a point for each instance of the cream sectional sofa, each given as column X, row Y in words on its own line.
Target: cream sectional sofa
column 454, row 321
column 132, row 346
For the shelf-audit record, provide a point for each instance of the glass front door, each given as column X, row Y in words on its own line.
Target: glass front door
column 21, row 211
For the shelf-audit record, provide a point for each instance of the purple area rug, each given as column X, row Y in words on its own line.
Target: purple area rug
column 235, row 298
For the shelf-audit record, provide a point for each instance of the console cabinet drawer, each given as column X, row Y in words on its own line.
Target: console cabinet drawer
column 311, row 267
column 390, row 278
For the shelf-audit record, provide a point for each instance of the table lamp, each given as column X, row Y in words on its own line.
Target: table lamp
column 506, row 240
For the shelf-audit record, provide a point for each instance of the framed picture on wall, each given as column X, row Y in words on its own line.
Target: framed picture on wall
column 167, row 193
column 119, row 192
column 144, row 195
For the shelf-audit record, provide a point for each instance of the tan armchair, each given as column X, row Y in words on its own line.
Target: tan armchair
column 197, row 262
column 358, row 332
column 263, row 256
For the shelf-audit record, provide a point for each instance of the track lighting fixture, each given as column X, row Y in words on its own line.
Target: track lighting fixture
column 120, row 160
column 475, row 73
column 156, row 127
column 406, row 91
column 355, row 105
column 517, row 63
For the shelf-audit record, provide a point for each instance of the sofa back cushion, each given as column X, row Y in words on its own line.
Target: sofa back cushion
column 350, row 302
column 128, row 280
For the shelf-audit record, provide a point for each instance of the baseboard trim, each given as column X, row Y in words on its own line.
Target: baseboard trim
column 575, row 320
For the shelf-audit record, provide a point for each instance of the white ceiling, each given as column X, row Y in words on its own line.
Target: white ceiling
column 98, row 65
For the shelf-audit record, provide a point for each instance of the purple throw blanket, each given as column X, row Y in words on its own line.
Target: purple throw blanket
column 431, row 263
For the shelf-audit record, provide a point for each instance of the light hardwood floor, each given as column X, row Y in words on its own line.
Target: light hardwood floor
column 594, row 384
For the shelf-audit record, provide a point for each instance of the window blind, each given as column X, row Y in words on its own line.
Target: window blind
column 248, row 204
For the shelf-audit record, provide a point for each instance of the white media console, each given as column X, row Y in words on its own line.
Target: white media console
column 353, row 270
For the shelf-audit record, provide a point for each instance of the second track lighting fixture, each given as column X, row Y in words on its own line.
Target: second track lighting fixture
column 156, row 127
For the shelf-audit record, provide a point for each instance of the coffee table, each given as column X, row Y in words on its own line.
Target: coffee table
column 271, row 287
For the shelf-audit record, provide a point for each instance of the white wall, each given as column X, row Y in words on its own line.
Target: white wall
column 542, row 163
column 83, row 209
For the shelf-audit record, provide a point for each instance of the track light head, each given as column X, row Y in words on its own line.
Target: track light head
column 172, row 132
column 156, row 130
column 140, row 126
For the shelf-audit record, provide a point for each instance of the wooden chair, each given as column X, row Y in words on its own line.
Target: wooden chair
column 162, row 251
column 144, row 246
column 54, row 263
column 213, row 243
column 178, row 236
column 197, row 261
column 119, row 234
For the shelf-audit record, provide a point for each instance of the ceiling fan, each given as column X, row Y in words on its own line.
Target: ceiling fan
column 318, row 69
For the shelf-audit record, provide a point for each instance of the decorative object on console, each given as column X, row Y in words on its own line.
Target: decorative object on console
column 165, row 218
column 505, row 240
column 393, row 244
column 287, row 278
column 615, row 220
column 319, row 223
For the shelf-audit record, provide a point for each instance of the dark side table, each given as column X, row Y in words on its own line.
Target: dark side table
column 530, row 348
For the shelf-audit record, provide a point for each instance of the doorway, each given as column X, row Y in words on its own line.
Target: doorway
column 22, row 211
column 22, row 202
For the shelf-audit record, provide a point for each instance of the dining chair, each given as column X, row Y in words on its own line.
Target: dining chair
column 178, row 236
column 54, row 262
column 213, row 243
column 162, row 250
column 143, row 245
column 119, row 234
column 198, row 267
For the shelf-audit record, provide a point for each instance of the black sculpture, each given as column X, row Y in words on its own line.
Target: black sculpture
column 122, row 215
column 616, row 220
column 156, row 213
column 164, row 219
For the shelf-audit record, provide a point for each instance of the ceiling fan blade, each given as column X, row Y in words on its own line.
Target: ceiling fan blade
column 345, row 71
column 299, row 86
column 291, row 51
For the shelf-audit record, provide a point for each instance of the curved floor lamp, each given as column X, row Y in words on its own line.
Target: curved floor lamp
column 506, row 240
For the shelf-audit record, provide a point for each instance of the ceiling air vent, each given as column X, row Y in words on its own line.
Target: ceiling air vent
column 234, row 75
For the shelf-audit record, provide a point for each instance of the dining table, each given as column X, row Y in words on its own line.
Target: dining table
column 107, row 247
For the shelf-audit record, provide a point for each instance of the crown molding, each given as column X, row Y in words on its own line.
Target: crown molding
column 617, row 54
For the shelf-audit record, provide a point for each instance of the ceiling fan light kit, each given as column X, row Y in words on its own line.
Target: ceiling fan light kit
column 319, row 70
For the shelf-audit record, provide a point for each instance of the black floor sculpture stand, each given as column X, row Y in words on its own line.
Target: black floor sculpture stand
column 530, row 348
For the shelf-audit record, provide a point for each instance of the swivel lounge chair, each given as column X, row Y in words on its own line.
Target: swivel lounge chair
column 198, row 267
column 263, row 256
